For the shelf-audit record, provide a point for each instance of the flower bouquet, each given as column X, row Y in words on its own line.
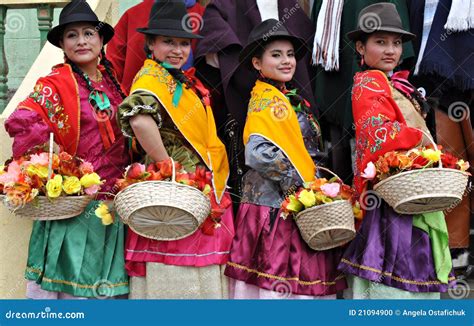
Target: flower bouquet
column 48, row 186
column 324, row 212
column 418, row 181
column 164, row 202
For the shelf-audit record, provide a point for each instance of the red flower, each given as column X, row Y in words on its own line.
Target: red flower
column 449, row 160
column 151, row 168
column 154, row 176
column 136, row 171
column 121, row 184
column 392, row 159
column 70, row 167
column 64, row 156
column 346, row 191
column 36, row 182
column 200, row 177
column 166, row 169
column 208, row 227
column 419, row 162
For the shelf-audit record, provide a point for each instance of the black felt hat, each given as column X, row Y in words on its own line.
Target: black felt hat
column 79, row 11
column 265, row 32
column 170, row 18
column 381, row 17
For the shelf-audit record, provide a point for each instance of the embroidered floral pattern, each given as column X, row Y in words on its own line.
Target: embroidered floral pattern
column 44, row 96
column 149, row 70
column 258, row 102
column 363, row 81
column 374, row 135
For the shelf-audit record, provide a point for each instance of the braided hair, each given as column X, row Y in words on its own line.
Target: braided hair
column 107, row 65
column 78, row 71
column 108, row 69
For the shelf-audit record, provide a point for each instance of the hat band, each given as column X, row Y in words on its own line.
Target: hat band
column 166, row 24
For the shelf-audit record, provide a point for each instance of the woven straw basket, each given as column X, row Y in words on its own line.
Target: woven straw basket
column 327, row 226
column 425, row 190
column 45, row 209
column 162, row 210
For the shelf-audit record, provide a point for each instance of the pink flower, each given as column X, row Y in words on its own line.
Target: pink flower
column 40, row 159
column 369, row 172
column 12, row 175
column 92, row 190
column 331, row 189
column 86, row 168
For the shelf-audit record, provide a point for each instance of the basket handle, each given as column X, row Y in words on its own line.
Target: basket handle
column 173, row 175
column 433, row 143
column 327, row 170
column 50, row 163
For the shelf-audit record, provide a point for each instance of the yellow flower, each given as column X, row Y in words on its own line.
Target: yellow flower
column 90, row 179
column 431, row 154
column 39, row 170
column 463, row 166
column 207, row 189
column 54, row 186
column 358, row 213
column 71, row 185
column 102, row 212
column 306, row 197
column 294, row 205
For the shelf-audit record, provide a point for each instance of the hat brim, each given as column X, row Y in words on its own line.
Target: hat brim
column 168, row 32
column 249, row 50
column 104, row 29
column 356, row 34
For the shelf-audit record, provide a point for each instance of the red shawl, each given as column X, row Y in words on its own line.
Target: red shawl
column 56, row 99
column 379, row 123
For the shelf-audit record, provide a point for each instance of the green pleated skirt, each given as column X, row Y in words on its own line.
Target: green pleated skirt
column 79, row 256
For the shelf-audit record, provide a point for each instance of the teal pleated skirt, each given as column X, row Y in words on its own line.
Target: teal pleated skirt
column 79, row 256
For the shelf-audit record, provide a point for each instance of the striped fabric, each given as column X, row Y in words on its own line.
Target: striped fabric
column 326, row 40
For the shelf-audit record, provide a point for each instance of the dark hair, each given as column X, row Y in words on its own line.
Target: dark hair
column 148, row 39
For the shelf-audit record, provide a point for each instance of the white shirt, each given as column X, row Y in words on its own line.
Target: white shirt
column 268, row 9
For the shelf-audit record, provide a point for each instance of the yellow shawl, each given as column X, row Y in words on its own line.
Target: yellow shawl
column 194, row 120
column 271, row 116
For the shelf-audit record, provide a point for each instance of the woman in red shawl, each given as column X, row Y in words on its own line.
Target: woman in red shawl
column 393, row 255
